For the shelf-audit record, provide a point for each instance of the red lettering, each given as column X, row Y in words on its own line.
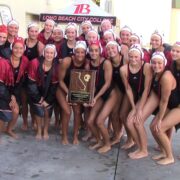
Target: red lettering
column 82, row 9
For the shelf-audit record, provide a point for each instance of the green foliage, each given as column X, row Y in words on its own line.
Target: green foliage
column 97, row 2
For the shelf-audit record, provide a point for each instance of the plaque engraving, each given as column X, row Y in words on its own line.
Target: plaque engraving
column 82, row 86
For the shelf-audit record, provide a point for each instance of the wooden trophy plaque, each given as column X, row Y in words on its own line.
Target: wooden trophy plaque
column 82, row 86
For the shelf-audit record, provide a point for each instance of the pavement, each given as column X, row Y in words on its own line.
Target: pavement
column 29, row 159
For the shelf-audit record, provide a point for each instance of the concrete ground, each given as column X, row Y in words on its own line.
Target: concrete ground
column 26, row 159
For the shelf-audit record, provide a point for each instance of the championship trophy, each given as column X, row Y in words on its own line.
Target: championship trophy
column 82, row 86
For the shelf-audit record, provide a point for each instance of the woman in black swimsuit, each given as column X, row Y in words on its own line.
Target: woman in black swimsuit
column 167, row 89
column 104, row 100
column 137, row 76
column 42, row 83
column 114, row 52
column 78, row 61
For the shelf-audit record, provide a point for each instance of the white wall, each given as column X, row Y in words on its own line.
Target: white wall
column 144, row 16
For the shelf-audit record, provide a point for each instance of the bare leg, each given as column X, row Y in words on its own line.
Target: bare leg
column 77, row 119
column 33, row 120
column 57, row 116
column 108, row 106
column 39, row 127
column 115, row 118
column 12, row 123
column 24, row 110
column 125, row 108
column 46, row 125
column 1, row 128
column 88, row 132
column 134, row 134
column 149, row 107
column 170, row 120
column 91, row 123
column 66, row 114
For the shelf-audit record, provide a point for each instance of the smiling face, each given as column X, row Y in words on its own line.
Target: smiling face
column 71, row 34
column 134, row 57
column 94, row 51
column 125, row 35
column 48, row 27
column 133, row 40
column 106, row 26
column 57, row 35
column 91, row 37
column 85, row 28
column 175, row 52
column 157, row 65
column 80, row 54
column 3, row 38
column 49, row 54
column 112, row 50
column 155, row 41
column 13, row 30
column 108, row 37
column 18, row 50
column 33, row 33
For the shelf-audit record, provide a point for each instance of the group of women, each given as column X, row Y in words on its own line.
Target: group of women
column 131, row 84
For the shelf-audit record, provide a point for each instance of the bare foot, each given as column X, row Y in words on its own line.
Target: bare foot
column 95, row 146
column 34, row 126
column 75, row 141
column 65, row 141
column 157, row 148
column 86, row 137
column 128, row 145
column 166, row 161
column 12, row 134
column 139, row 155
column 38, row 136
column 45, row 136
column 159, row 156
column 115, row 141
column 24, row 127
column 132, row 154
column 93, row 140
column 104, row 149
column 60, row 132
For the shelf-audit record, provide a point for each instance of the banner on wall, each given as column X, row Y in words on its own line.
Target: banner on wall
column 79, row 12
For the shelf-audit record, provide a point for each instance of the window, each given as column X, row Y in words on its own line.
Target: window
column 108, row 6
column 176, row 4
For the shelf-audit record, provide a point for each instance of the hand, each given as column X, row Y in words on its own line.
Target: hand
column 157, row 126
column 93, row 102
column 45, row 104
column 132, row 113
column 13, row 104
column 124, row 49
column 86, row 104
column 67, row 98
column 41, row 100
column 13, row 98
column 138, row 116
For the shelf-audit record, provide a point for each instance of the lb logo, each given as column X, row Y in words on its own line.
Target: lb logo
column 82, row 9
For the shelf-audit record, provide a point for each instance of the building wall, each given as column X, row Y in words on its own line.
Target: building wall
column 175, row 26
column 24, row 10
column 144, row 17
column 142, row 20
